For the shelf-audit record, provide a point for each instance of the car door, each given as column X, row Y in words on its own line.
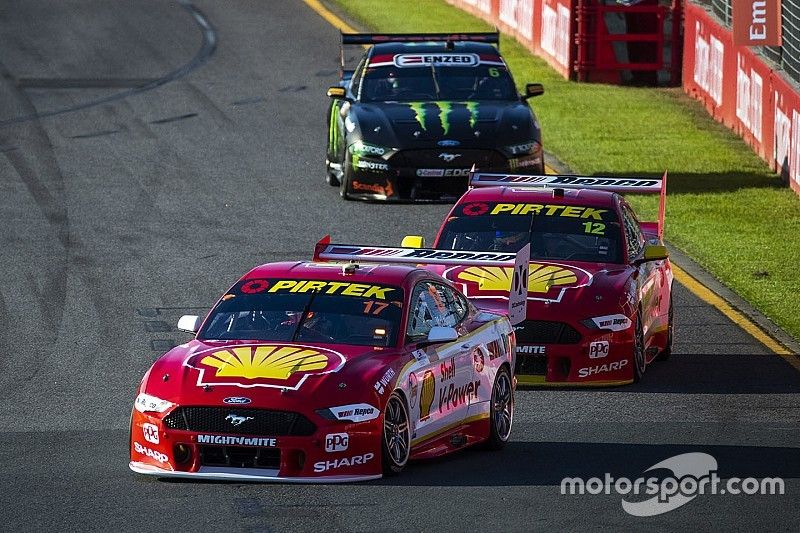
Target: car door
column 647, row 277
column 443, row 371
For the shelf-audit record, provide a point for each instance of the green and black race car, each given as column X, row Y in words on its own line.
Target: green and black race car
column 420, row 110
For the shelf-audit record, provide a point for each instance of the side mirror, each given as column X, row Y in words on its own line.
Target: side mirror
column 533, row 89
column 413, row 241
column 654, row 252
column 336, row 92
column 439, row 334
column 189, row 323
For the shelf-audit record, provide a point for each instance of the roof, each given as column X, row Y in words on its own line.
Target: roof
column 434, row 46
column 579, row 197
column 368, row 273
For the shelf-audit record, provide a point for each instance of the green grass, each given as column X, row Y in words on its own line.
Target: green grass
column 725, row 208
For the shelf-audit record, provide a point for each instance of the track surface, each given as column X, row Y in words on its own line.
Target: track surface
column 119, row 217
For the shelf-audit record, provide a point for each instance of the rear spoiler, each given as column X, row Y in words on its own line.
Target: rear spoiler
column 638, row 185
column 375, row 38
column 517, row 299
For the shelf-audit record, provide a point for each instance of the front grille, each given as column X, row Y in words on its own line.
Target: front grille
column 546, row 332
column 240, row 457
column 531, row 364
column 259, row 421
column 483, row 159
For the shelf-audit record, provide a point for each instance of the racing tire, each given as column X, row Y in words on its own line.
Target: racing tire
column 667, row 351
column 344, row 183
column 501, row 411
column 638, row 359
column 396, row 435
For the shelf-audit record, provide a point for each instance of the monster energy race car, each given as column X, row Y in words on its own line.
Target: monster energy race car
column 420, row 110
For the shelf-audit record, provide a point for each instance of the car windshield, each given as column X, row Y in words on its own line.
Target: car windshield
column 406, row 84
column 317, row 311
column 577, row 233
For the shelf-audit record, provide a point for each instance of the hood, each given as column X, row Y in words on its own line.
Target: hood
column 405, row 125
column 265, row 374
column 594, row 288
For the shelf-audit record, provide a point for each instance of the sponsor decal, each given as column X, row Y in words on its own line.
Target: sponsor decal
column 598, row 349
column 475, row 209
column 439, row 60
column 517, row 163
column 237, row 420
column 572, row 211
column 447, row 370
column 229, row 440
column 363, row 164
column 421, row 356
column 254, row 286
column 236, row 400
column 531, row 350
column 602, row 369
column 757, row 23
column 448, row 142
column 497, row 348
column 444, row 111
column 612, row 322
column 519, row 15
column 337, row 252
column 413, row 389
column 150, row 432
column 545, row 281
column 356, row 460
column 443, row 172
column 749, row 93
column 336, row 442
column 153, row 454
column 362, row 148
column 263, row 365
column 382, row 383
column 570, row 182
column 357, row 412
column 332, row 287
column 427, row 395
column 478, row 359
column 386, row 189
column 452, row 396
column 556, row 35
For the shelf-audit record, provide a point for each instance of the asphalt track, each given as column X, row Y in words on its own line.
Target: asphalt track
column 146, row 161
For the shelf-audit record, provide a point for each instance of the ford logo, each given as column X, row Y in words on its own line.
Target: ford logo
column 237, row 400
column 448, row 142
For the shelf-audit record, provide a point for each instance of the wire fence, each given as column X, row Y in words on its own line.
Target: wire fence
column 787, row 56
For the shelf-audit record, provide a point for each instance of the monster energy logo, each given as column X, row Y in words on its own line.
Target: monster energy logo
column 445, row 112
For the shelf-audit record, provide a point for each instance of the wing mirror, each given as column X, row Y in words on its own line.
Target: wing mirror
column 439, row 334
column 337, row 93
column 189, row 323
column 533, row 89
column 654, row 252
column 413, row 241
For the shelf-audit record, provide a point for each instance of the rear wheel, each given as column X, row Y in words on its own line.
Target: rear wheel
column 344, row 183
column 638, row 350
column 396, row 441
column 501, row 410
column 666, row 352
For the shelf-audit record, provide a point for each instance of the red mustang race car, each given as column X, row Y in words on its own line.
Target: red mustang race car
column 319, row 372
column 600, row 283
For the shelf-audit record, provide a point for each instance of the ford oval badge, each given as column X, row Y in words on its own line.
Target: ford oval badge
column 237, row 400
column 448, row 142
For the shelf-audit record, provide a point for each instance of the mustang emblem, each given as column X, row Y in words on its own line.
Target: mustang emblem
column 237, row 420
column 448, row 157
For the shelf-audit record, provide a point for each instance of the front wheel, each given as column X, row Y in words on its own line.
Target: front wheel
column 396, row 441
column 344, row 183
column 501, row 411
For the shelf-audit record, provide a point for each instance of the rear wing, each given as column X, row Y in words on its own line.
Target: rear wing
column 517, row 299
column 638, row 185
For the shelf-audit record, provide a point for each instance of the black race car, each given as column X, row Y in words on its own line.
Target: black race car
column 420, row 110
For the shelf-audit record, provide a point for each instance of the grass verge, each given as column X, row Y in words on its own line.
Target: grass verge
column 725, row 208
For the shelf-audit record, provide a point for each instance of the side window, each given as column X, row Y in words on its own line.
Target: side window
column 457, row 306
column 633, row 233
column 432, row 305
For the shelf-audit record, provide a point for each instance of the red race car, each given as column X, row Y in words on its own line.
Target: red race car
column 600, row 282
column 319, row 372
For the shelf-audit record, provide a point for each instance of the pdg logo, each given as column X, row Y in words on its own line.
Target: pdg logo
column 336, row 442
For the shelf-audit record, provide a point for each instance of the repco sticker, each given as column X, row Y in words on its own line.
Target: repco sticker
column 260, row 365
column 546, row 281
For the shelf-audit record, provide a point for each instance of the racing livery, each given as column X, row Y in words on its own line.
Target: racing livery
column 600, row 283
column 419, row 110
column 320, row 372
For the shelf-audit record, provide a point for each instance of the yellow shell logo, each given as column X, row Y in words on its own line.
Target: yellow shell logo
column 540, row 277
column 264, row 365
